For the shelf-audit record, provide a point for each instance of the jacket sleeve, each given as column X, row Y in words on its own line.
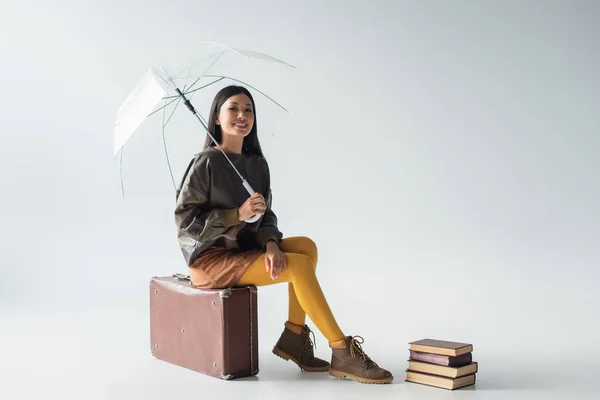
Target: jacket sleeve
column 268, row 229
column 193, row 217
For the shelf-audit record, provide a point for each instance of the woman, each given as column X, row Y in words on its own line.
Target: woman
column 222, row 250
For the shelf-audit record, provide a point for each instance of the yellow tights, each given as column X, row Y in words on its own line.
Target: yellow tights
column 305, row 293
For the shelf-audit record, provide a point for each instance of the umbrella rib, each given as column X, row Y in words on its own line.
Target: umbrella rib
column 173, row 100
column 165, row 141
column 244, row 83
column 203, row 73
column 176, row 76
column 121, row 173
column 202, row 87
column 246, row 56
column 172, row 112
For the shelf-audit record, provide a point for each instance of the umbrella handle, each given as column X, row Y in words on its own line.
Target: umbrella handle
column 250, row 191
column 253, row 219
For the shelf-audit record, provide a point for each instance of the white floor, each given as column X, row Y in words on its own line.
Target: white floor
column 104, row 354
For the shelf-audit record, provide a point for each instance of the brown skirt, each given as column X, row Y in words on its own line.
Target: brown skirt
column 218, row 267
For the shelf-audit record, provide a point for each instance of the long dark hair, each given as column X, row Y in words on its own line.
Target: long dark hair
column 251, row 145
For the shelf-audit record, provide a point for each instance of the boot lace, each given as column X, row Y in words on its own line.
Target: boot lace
column 356, row 349
column 309, row 343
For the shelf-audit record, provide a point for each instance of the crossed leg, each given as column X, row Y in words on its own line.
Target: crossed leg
column 304, row 291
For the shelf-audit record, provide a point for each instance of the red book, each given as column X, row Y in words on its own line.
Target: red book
column 448, row 361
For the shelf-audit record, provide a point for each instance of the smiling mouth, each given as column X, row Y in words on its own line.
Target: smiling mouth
column 241, row 125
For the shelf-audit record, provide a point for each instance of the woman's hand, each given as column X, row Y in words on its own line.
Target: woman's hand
column 255, row 204
column 275, row 261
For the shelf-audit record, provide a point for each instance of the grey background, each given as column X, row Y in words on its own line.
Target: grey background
column 442, row 154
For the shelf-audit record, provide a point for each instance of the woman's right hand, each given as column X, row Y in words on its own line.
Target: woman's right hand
column 255, row 204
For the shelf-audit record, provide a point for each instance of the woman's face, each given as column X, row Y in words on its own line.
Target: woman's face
column 236, row 116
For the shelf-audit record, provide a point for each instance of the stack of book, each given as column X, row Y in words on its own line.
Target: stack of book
column 442, row 364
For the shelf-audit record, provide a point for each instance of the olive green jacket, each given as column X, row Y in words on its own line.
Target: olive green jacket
column 210, row 193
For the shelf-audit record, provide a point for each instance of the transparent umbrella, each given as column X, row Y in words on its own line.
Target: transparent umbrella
column 162, row 90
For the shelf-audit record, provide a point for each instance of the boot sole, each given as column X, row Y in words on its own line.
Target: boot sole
column 287, row 357
column 342, row 375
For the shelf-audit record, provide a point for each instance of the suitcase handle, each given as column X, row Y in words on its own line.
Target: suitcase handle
column 182, row 277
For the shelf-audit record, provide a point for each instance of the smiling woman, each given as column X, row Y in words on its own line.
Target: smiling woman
column 236, row 119
column 232, row 122
column 223, row 250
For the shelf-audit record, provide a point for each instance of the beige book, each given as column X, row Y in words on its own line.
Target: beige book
column 450, row 372
column 442, row 347
column 439, row 381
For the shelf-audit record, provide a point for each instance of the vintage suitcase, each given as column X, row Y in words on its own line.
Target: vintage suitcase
column 213, row 332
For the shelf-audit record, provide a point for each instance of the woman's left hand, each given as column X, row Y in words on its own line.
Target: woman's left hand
column 275, row 261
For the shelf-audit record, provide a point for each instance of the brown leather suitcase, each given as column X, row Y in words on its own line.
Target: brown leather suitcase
column 213, row 331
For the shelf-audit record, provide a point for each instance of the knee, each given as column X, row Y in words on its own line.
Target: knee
column 309, row 248
column 300, row 265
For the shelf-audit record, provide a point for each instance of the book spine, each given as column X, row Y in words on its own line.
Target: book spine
column 439, row 359
column 430, row 358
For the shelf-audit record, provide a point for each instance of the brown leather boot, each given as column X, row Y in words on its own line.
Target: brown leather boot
column 352, row 362
column 298, row 347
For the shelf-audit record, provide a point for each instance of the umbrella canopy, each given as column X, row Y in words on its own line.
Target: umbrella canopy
column 163, row 90
column 159, row 85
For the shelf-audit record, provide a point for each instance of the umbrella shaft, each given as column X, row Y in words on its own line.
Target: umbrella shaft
column 193, row 110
